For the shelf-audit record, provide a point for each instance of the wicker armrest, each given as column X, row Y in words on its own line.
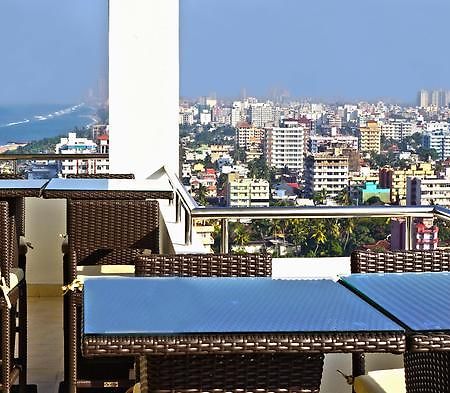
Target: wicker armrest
column 23, row 245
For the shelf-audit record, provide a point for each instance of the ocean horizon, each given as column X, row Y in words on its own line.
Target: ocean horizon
column 26, row 123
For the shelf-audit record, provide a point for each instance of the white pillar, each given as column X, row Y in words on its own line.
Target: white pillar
column 143, row 85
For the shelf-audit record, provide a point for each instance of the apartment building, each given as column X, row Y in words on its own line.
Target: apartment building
column 326, row 171
column 319, row 142
column 251, row 139
column 395, row 179
column 429, row 191
column 438, row 140
column 396, row 129
column 285, row 146
column 261, row 115
column 186, row 117
column 74, row 145
column 369, row 137
column 245, row 192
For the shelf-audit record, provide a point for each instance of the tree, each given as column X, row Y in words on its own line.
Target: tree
column 319, row 197
column 240, row 234
column 374, row 200
column 425, row 154
column 201, row 195
column 343, row 197
column 318, row 234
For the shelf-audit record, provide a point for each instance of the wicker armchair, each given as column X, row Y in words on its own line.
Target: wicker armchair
column 17, row 210
column 250, row 372
column 13, row 297
column 102, row 232
column 437, row 363
column 100, row 176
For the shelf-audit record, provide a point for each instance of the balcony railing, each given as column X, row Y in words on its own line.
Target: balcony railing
column 192, row 211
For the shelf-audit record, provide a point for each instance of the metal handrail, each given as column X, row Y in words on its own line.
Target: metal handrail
column 194, row 211
column 52, row 156
column 314, row 212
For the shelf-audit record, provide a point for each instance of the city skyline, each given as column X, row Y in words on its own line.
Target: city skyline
column 325, row 50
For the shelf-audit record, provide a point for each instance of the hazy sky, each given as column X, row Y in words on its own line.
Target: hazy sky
column 51, row 51
column 315, row 48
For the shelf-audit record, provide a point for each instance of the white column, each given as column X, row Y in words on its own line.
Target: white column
column 143, row 85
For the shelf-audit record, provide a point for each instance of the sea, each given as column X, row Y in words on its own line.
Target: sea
column 25, row 123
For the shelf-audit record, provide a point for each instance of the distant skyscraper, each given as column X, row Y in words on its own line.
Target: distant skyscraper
column 435, row 98
column 424, row 98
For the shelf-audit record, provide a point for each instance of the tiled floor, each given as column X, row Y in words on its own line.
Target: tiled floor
column 45, row 343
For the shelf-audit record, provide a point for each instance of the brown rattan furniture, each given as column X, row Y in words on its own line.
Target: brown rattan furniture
column 13, row 298
column 108, row 188
column 252, row 362
column 102, row 232
column 427, row 360
column 14, row 189
column 100, row 176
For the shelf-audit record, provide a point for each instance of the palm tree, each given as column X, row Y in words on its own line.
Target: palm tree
column 240, row 234
column 319, row 234
column 348, row 229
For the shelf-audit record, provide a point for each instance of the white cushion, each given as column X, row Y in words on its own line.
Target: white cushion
column 104, row 270
column 381, row 381
column 16, row 275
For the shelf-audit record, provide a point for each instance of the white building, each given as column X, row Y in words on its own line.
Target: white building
column 261, row 115
column 396, row 129
column 205, row 117
column 238, row 113
column 429, row 191
column 186, row 117
column 326, row 171
column 439, row 141
column 74, row 145
column 285, row 146
column 424, row 98
column 248, row 193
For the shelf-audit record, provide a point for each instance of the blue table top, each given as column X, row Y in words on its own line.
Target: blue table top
column 140, row 185
column 175, row 305
column 23, row 184
column 419, row 300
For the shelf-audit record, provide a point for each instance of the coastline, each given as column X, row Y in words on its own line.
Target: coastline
column 11, row 146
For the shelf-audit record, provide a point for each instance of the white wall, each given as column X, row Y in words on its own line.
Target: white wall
column 143, row 85
column 45, row 221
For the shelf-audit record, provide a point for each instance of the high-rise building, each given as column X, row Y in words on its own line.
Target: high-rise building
column 238, row 113
column 285, row 146
column 326, row 171
column 424, row 98
column 370, row 137
column 261, row 115
column 435, row 98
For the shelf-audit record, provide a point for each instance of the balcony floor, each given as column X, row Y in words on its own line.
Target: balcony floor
column 45, row 343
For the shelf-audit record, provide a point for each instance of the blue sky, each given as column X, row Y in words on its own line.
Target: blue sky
column 51, row 51
column 332, row 49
